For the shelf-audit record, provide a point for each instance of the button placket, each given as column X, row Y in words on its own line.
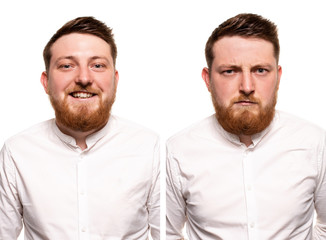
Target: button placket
column 249, row 193
column 82, row 197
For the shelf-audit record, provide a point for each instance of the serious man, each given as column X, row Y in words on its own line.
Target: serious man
column 85, row 174
column 248, row 171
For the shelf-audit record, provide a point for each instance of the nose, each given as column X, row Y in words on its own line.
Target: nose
column 84, row 77
column 247, row 85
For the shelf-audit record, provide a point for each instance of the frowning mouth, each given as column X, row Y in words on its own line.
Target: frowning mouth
column 82, row 95
column 245, row 102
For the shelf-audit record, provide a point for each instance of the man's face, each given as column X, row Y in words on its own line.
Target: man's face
column 243, row 82
column 81, row 81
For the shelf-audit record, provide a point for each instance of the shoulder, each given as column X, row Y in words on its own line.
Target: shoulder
column 294, row 124
column 129, row 128
column 204, row 129
column 295, row 131
column 35, row 137
column 36, row 132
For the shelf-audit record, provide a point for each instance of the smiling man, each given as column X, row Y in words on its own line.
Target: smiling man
column 248, row 171
column 85, row 174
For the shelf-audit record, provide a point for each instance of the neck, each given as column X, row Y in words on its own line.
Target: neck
column 79, row 136
column 245, row 139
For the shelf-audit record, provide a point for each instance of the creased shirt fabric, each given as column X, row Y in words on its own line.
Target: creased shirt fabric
column 224, row 190
column 108, row 191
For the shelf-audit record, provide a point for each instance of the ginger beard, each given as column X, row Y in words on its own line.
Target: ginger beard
column 244, row 121
column 80, row 118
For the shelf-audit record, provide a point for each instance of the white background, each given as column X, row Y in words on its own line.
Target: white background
column 160, row 57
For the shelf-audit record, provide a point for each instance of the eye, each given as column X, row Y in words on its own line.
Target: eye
column 228, row 72
column 261, row 71
column 98, row 66
column 65, row 66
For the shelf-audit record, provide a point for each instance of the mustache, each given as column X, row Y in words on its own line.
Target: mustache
column 79, row 88
column 245, row 98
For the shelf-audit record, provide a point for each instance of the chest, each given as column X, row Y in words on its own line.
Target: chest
column 239, row 187
column 95, row 191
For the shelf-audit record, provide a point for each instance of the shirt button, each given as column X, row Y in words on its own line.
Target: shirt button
column 83, row 229
column 252, row 225
column 249, row 188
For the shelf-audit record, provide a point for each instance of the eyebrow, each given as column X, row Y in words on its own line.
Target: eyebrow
column 75, row 59
column 264, row 65
column 64, row 57
column 231, row 66
column 226, row 66
column 100, row 57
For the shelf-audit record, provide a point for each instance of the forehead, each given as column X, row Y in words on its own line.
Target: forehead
column 80, row 45
column 243, row 49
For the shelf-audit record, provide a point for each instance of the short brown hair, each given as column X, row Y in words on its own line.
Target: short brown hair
column 87, row 25
column 245, row 25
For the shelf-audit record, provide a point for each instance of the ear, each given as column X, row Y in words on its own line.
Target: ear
column 279, row 74
column 205, row 77
column 44, row 82
column 116, row 78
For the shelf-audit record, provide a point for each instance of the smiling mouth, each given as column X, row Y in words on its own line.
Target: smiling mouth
column 82, row 95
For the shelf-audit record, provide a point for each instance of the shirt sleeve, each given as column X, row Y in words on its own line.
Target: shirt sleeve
column 175, row 202
column 10, row 206
column 320, row 195
column 154, row 196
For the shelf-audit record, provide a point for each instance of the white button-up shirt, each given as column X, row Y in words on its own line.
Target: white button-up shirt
column 108, row 191
column 267, row 191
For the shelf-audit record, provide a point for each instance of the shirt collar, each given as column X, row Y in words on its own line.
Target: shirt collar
column 256, row 138
column 91, row 140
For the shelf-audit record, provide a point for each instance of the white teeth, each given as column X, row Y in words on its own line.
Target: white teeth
column 82, row 95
